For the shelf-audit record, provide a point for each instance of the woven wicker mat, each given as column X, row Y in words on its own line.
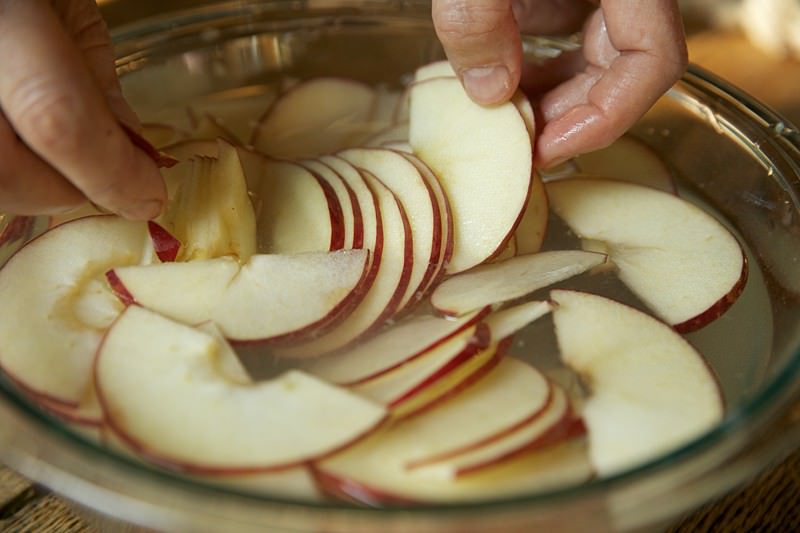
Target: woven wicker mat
column 770, row 504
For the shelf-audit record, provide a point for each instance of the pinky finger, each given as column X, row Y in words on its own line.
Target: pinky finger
column 28, row 185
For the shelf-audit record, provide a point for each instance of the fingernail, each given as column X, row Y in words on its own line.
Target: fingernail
column 487, row 85
column 143, row 210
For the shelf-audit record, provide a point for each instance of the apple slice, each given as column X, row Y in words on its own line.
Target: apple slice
column 394, row 346
column 315, row 117
column 211, row 213
column 506, row 322
column 238, row 110
column 420, row 205
column 171, row 403
column 388, row 287
column 295, row 210
column 296, row 482
column 56, row 305
column 352, row 222
column 508, row 396
column 394, row 133
column 628, row 159
column 532, row 228
column 651, row 391
column 471, row 149
column 270, row 298
column 683, row 263
column 511, row 279
column 362, row 474
column 551, row 424
column 161, row 134
column 404, row 381
column 445, row 215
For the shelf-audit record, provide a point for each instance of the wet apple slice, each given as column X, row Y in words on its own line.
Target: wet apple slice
column 511, row 279
column 472, row 149
column 171, row 403
column 683, row 263
column 628, row 159
column 506, row 322
column 295, row 210
column 352, row 221
column 56, row 304
column 315, row 117
column 651, row 391
column 532, row 228
column 394, row 346
column 420, row 205
column 405, row 383
column 269, row 298
column 387, row 288
column 210, row 211
column 550, row 425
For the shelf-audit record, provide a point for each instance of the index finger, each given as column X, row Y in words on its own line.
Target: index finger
column 51, row 99
column 636, row 51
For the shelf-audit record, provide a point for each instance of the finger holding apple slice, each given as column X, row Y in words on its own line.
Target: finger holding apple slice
column 52, row 318
column 175, row 407
column 651, row 391
column 507, row 280
column 483, row 158
column 679, row 260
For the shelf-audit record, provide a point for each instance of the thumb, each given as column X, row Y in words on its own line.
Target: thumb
column 482, row 41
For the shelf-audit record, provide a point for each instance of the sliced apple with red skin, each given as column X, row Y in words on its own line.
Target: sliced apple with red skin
column 532, row 228
column 165, row 244
column 390, row 134
column 420, row 205
column 55, row 310
column 211, row 213
column 508, row 396
column 295, row 210
column 386, row 290
column 412, row 378
column 175, row 408
column 506, row 322
column 472, row 149
column 445, row 214
column 396, row 345
column 679, row 260
column 508, row 252
column 651, row 391
column 551, row 424
column 315, row 117
column 270, row 298
column 509, row 280
column 628, row 159
column 352, row 222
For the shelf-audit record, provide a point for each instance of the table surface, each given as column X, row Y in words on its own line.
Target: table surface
column 769, row 503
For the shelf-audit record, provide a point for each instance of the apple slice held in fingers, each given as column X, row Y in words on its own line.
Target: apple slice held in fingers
column 473, row 150
column 171, row 403
column 56, row 303
column 210, row 213
column 679, row 260
column 270, row 298
column 651, row 391
column 510, row 279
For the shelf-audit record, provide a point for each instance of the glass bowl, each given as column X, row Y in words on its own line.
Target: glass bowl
column 728, row 151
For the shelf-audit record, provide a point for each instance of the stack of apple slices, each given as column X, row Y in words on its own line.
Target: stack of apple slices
column 387, row 245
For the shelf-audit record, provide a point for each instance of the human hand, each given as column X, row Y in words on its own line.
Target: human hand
column 61, row 106
column 633, row 51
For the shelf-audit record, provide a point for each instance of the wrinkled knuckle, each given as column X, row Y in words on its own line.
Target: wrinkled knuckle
column 45, row 116
column 460, row 19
